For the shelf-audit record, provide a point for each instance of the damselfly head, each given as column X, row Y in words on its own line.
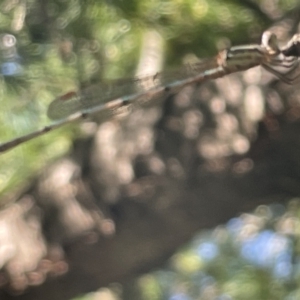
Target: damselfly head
column 270, row 43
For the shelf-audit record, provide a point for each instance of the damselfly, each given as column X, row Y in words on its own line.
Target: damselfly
column 235, row 59
column 110, row 97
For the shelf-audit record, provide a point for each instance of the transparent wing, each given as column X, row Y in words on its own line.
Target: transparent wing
column 103, row 92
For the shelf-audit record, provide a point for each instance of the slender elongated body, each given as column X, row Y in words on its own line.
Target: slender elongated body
column 74, row 106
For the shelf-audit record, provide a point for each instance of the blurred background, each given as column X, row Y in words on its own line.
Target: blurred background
column 49, row 48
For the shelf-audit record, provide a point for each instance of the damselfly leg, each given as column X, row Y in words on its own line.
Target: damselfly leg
column 285, row 62
column 291, row 64
column 282, row 76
